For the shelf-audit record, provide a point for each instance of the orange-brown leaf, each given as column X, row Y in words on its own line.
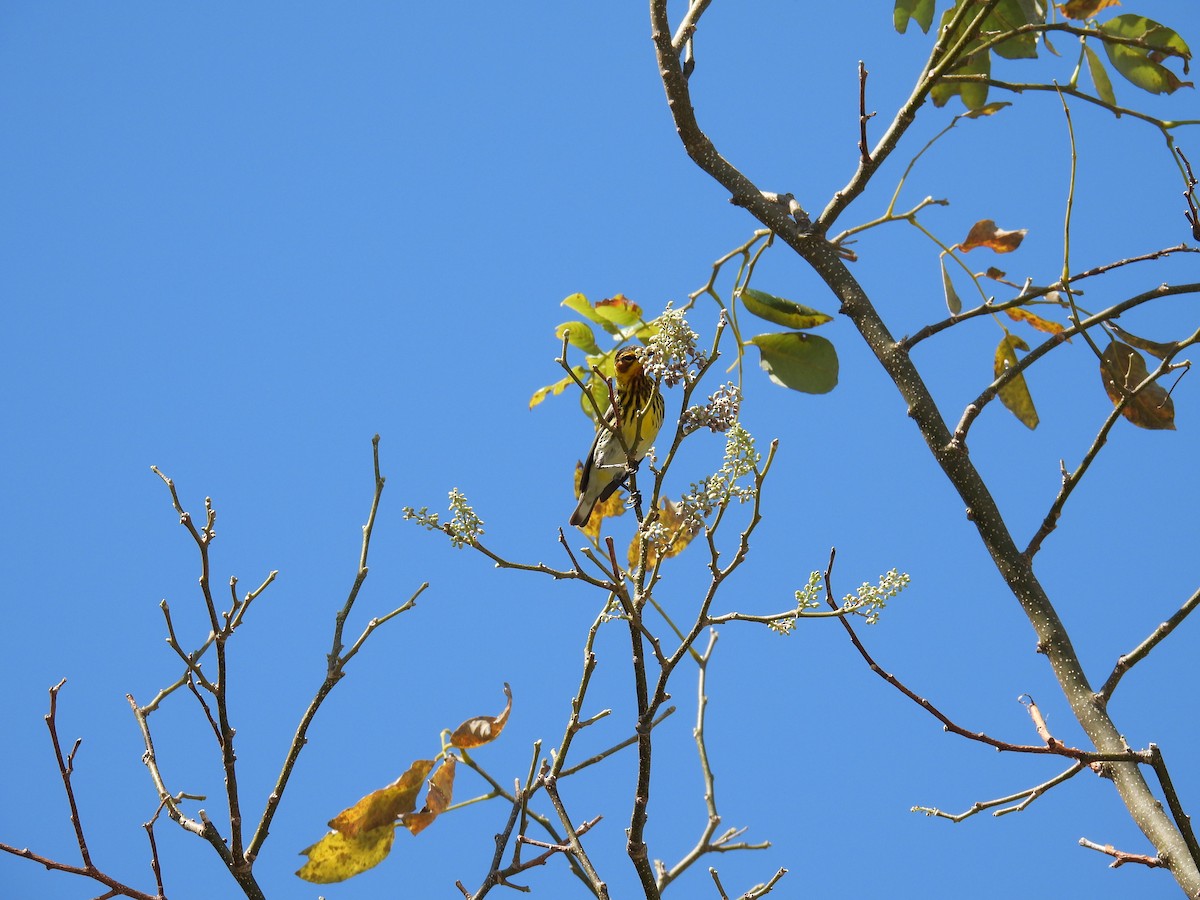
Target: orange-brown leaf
column 1084, row 9
column 678, row 534
column 1122, row 369
column 1029, row 318
column 984, row 233
column 441, row 788
column 995, row 274
column 482, row 729
column 384, row 806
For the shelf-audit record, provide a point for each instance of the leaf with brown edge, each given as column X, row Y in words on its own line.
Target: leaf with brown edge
column 1020, row 314
column 1015, row 392
column 441, row 789
column 619, row 310
column 336, row 857
column 1154, row 348
column 384, row 806
column 984, row 233
column 677, row 532
column 1123, row 369
column 482, row 729
column 1084, row 9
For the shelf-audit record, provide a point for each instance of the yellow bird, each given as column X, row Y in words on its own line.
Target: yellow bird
column 641, row 410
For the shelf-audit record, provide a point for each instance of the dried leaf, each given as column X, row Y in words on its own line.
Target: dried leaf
column 1015, row 392
column 337, row 857
column 1020, row 314
column 673, row 524
column 953, row 303
column 984, row 233
column 482, row 729
column 1122, row 370
column 995, row 274
column 1084, row 9
column 384, row 806
column 988, row 109
column 441, row 789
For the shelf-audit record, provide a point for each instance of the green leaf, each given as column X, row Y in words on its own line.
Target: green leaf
column 780, row 311
column 580, row 335
column 619, row 311
column 581, row 305
column 921, row 10
column 973, row 94
column 1140, row 66
column 1015, row 393
column 802, row 362
column 1104, row 88
column 953, row 303
column 1011, row 14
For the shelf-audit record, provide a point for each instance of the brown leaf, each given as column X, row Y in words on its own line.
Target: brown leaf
column 995, row 274
column 1084, row 9
column 441, row 787
column 984, row 233
column 677, row 533
column 1015, row 393
column 1045, row 325
column 482, row 729
column 1122, row 369
column 384, row 806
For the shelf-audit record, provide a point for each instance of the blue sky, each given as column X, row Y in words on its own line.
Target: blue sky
column 236, row 242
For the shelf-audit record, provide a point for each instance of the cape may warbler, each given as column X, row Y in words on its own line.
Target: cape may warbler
column 641, row 410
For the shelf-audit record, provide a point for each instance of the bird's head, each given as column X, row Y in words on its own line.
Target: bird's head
column 628, row 365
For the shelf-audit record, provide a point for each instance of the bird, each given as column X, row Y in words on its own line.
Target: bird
column 641, row 412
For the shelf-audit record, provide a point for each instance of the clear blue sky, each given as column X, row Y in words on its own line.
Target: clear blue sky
column 236, row 241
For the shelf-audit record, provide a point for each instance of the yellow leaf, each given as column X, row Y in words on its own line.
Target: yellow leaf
column 384, row 806
column 482, row 729
column 336, row 857
column 619, row 310
column 984, row 233
column 1015, row 392
column 1122, row 369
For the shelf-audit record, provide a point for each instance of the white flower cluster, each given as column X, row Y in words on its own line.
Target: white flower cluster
column 870, row 599
column 463, row 529
column 671, row 354
column 723, row 487
column 719, row 414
